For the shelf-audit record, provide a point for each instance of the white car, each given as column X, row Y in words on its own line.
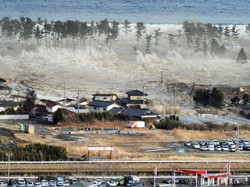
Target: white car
column 225, row 148
column 203, row 148
column 113, row 183
column 216, row 142
column 210, row 147
column 44, row 183
column 21, row 182
column 196, row 145
column 37, row 184
column 217, row 148
column 29, row 184
column 66, row 183
column 3, row 183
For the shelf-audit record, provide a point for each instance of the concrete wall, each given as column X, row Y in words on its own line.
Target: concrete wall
column 14, row 116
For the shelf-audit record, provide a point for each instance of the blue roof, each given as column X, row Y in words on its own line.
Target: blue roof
column 100, row 103
column 116, row 110
column 138, row 112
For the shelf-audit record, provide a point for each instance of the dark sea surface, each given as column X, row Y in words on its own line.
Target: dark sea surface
column 147, row 11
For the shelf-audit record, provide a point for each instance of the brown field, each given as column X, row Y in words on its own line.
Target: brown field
column 133, row 144
column 130, row 144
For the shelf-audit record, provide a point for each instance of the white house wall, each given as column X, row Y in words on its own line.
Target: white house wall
column 102, row 98
column 113, row 106
column 101, row 109
column 53, row 109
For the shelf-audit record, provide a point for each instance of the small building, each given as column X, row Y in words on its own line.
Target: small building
column 140, row 113
column 105, row 97
column 66, row 101
column 83, row 103
column 102, row 106
column 4, row 105
column 214, row 179
column 136, row 98
column 52, row 106
column 76, row 110
column 30, row 129
column 207, row 113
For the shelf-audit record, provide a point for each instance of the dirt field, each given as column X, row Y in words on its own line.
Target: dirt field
column 129, row 144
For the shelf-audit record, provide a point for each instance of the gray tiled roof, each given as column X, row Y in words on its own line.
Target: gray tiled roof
column 116, row 110
column 136, row 93
column 4, row 103
column 138, row 112
column 99, row 94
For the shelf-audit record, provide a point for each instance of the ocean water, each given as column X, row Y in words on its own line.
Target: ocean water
column 147, row 11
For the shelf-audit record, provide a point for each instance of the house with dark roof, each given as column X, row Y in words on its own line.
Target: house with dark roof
column 52, row 106
column 136, row 98
column 66, row 101
column 140, row 113
column 105, row 97
column 116, row 110
column 102, row 106
column 41, row 113
column 5, row 104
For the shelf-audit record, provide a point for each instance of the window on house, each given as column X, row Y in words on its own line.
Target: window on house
column 104, row 98
column 95, row 108
column 104, row 109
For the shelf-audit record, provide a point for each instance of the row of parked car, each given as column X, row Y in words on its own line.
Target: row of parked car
column 21, row 182
column 216, row 145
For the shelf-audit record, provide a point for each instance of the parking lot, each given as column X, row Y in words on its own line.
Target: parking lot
column 219, row 145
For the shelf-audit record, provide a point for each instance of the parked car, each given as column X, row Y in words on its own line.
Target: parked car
column 196, row 145
column 202, row 143
column 189, row 143
column 21, row 182
column 216, row 142
column 210, row 147
column 3, row 183
column 170, row 181
column 37, row 184
column 73, row 180
column 52, row 183
column 203, row 148
column 225, row 147
column 66, row 183
column 113, row 183
column 240, row 146
column 29, row 184
column 217, row 148
column 44, row 183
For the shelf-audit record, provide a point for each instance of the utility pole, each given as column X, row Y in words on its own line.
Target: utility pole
column 9, row 155
column 161, row 77
column 64, row 94
column 143, row 95
column 78, row 103
column 238, row 133
column 174, row 99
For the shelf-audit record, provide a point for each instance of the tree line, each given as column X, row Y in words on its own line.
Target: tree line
column 34, row 152
column 170, row 124
column 62, row 115
column 206, row 38
column 207, row 97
